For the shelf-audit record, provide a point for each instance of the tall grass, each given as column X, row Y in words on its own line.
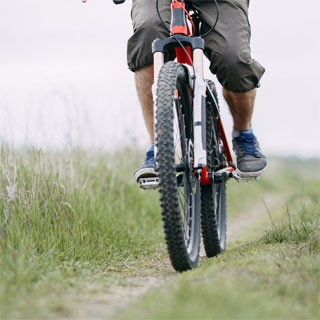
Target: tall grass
column 300, row 225
column 71, row 213
column 74, row 206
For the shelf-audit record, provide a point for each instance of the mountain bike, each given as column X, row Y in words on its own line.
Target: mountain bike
column 193, row 159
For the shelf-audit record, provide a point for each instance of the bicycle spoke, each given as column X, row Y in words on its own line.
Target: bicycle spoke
column 182, row 194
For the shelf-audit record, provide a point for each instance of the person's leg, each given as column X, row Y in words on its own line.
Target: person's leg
column 241, row 107
column 147, row 27
column 144, row 81
column 228, row 49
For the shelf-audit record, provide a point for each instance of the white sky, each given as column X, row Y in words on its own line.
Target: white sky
column 64, row 78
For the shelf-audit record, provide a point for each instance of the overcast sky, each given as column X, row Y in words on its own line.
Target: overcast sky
column 64, row 78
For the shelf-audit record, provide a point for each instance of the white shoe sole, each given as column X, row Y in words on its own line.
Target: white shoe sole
column 145, row 173
column 250, row 174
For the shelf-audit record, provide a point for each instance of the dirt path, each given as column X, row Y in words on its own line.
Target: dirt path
column 118, row 297
column 106, row 305
column 246, row 221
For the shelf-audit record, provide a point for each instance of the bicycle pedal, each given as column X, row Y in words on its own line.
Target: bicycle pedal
column 150, row 183
column 239, row 178
column 247, row 179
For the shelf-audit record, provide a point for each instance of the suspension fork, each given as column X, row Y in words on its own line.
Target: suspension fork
column 178, row 26
column 192, row 53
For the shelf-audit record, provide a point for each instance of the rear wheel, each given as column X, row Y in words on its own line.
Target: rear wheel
column 213, row 196
column 179, row 187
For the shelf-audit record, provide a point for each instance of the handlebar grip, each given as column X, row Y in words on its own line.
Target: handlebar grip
column 118, row 1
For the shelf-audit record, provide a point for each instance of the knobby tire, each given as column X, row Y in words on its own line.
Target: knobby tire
column 173, row 78
column 213, row 196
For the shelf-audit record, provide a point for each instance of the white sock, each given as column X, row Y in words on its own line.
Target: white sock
column 236, row 133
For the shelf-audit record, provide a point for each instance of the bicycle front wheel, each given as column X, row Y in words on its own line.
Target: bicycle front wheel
column 179, row 187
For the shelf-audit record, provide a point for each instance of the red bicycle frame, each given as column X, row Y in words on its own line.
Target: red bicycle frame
column 179, row 25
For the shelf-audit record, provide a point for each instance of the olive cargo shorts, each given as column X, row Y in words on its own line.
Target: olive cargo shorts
column 227, row 47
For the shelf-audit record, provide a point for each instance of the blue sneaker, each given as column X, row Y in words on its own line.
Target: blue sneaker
column 250, row 160
column 147, row 169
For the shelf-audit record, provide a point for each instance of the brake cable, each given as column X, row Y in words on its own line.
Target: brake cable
column 217, row 18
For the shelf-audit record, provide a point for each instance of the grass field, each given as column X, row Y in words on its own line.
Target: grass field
column 75, row 222
column 273, row 277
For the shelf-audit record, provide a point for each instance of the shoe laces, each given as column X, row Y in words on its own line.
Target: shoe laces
column 247, row 143
column 149, row 156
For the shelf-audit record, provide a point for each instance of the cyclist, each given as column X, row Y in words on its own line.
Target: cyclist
column 228, row 50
